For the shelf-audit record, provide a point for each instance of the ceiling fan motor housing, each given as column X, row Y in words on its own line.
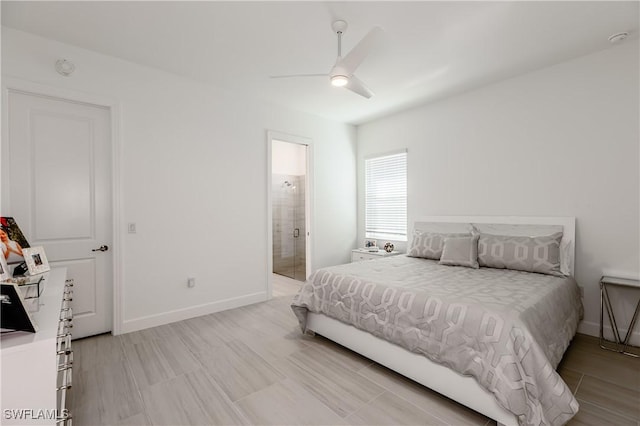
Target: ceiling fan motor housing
column 339, row 26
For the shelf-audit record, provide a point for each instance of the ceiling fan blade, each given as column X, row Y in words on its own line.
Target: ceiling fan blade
column 355, row 57
column 299, row 75
column 357, row 86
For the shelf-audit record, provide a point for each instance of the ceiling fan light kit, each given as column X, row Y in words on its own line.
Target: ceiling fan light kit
column 341, row 75
column 339, row 80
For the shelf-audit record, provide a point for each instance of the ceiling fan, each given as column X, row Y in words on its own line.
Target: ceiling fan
column 341, row 75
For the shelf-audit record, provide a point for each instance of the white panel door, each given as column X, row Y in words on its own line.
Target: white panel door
column 59, row 192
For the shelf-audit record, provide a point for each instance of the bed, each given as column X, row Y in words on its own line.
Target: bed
column 489, row 338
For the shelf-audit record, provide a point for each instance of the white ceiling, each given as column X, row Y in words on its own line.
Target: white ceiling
column 430, row 49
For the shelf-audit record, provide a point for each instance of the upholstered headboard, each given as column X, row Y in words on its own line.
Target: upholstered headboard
column 508, row 225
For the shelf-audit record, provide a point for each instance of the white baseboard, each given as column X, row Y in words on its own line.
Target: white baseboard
column 141, row 323
column 593, row 329
column 589, row 328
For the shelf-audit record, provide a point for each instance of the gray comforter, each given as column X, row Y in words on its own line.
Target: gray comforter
column 507, row 329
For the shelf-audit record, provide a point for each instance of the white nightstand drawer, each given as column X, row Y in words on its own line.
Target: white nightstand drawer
column 359, row 255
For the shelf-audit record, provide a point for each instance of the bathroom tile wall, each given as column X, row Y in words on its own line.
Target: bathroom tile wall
column 288, row 197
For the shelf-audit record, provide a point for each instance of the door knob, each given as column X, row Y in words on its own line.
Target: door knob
column 101, row 248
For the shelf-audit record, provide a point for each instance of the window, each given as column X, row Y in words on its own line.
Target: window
column 386, row 196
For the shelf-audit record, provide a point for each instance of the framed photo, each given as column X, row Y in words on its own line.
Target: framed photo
column 4, row 269
column 369, row 244
column 14, row 314
column 12, row 240
column 36, row 260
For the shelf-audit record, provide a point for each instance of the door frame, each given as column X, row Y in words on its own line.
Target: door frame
column 309, row 207
column 28, row 87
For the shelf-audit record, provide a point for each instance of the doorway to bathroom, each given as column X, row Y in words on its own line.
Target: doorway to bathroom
column 290, row 221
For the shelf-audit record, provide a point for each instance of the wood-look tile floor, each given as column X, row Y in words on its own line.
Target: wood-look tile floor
column 284, row 286
column 252, row 366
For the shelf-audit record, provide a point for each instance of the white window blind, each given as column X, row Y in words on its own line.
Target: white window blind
column 386, row 197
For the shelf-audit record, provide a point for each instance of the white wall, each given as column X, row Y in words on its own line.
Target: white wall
column 193, row 169
column 561, row 141
column 288, row 158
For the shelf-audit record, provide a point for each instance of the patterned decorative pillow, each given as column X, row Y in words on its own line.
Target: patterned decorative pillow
column 428, row 245
column 460, row 251
column 530, row 254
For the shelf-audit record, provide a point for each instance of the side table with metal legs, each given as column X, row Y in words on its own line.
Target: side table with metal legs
column 621, row 345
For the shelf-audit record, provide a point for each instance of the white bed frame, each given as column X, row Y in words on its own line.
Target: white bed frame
column 463, row 389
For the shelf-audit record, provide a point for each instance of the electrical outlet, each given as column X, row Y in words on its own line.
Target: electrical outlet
column 191, row 282
column 131, row 228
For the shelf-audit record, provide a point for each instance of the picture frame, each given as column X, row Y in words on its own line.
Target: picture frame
column 370, row 244
column 4, row 269
column 15, row 315
column 12, row 240
column 36, row 260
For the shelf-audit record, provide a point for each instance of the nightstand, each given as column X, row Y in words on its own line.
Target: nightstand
column 605, row 302
column 358, row 255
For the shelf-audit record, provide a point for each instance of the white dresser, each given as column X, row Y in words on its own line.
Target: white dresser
column 358, row 255
column 36, row 367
